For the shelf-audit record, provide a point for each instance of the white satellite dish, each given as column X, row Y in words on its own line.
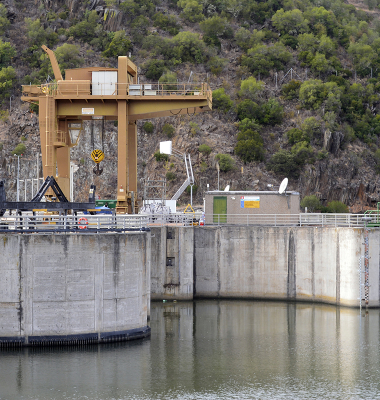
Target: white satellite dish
column 283, row 186
column 227, row 188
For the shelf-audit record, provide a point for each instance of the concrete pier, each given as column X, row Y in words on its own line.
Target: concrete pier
column 286, row 263
column 62, row 289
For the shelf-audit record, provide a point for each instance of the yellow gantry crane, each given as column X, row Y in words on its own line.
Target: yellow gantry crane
column 110, row 94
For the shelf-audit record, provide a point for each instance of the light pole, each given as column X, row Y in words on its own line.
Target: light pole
column 18, row 177
column 218, row 169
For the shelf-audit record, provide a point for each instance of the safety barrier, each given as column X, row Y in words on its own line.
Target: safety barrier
column 103, row 223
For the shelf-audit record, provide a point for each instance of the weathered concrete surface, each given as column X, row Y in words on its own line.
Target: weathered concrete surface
column 172, row 254
column 59, row 285
column 290, row 263
column 308, row 263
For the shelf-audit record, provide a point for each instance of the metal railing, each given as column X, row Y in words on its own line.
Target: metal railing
column 88, row 88
column 302, row 219
column 91, row 223
column 120, row 223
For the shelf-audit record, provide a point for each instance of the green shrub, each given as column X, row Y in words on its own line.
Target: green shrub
column 19, row 149
column 168, row 130
column 4, row 22
column 216, row 64
column 148, row 127
column 221, row 101
column 311, row 202
column 249, row 146
column 284, row 163
column 336, row 207
column 170, row 176
column 169, row 81
column 7, row 52
column 194, row 128
column 226, row 162
column 1, row 146
column 291, row 90
column 160, row 157
column 119, row 46
column 166, row 22
column 7, row 80
column 86, row 29
column 205, row 149
column 154, row 69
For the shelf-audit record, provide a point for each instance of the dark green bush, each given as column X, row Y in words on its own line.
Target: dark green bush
column 284, row 163
column 148, row 127
column 291, row 90
column 168, row 130
column 170, row 176
column 221, row 101
column 160, row 157
column 312, row 203
column 154, row 69
column 249, row 146
column 205, row 149
column 336, row 207
column 226, row 162
column 19, row 149
column 166, row 22
column 119, row 46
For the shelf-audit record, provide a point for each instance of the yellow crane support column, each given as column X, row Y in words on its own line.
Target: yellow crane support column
column 132, row 161
column 122, row 157
column 47, row 119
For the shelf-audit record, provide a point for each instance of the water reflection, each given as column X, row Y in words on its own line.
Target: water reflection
column 213, row 350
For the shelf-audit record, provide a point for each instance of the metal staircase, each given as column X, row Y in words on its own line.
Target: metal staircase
column 188, row 181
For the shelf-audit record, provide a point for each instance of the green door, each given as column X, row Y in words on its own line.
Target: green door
column 220, row 209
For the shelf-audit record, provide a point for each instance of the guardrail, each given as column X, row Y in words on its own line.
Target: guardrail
column 121, row 223
column 91, row 223
column 88, row 88
column 302, row 219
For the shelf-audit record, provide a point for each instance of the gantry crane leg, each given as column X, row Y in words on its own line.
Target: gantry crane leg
column 122, row 158
column 132, row 163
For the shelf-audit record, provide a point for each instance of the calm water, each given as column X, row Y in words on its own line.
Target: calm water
column 214, row 350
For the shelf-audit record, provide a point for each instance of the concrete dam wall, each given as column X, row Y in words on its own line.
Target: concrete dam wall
column 288, row 263
column 60, row 289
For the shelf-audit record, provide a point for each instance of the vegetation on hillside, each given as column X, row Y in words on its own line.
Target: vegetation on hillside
column 332, row 47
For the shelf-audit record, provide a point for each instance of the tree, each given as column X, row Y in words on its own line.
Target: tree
column 7, row 79
column 283, row 163
column 189, row 47
column 311, row 202
column 4, row 22
column 226, row 162
column 291, row 21
column 214, row 28
column 119, row 46
column 221, row 100
column 169, row 81
column 336, row 207
column 154, row 69
column 249, row 146
column 251, row 89
column 205, row 149
column 7, row 52
column 68, row 56
column 148, row 127
column 85, row 30
column 192, row 10
column 362, row 55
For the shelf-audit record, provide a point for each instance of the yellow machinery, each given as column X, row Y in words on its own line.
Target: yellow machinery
column 110, row 94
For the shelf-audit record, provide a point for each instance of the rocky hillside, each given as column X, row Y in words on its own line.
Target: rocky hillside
column 296, row 91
